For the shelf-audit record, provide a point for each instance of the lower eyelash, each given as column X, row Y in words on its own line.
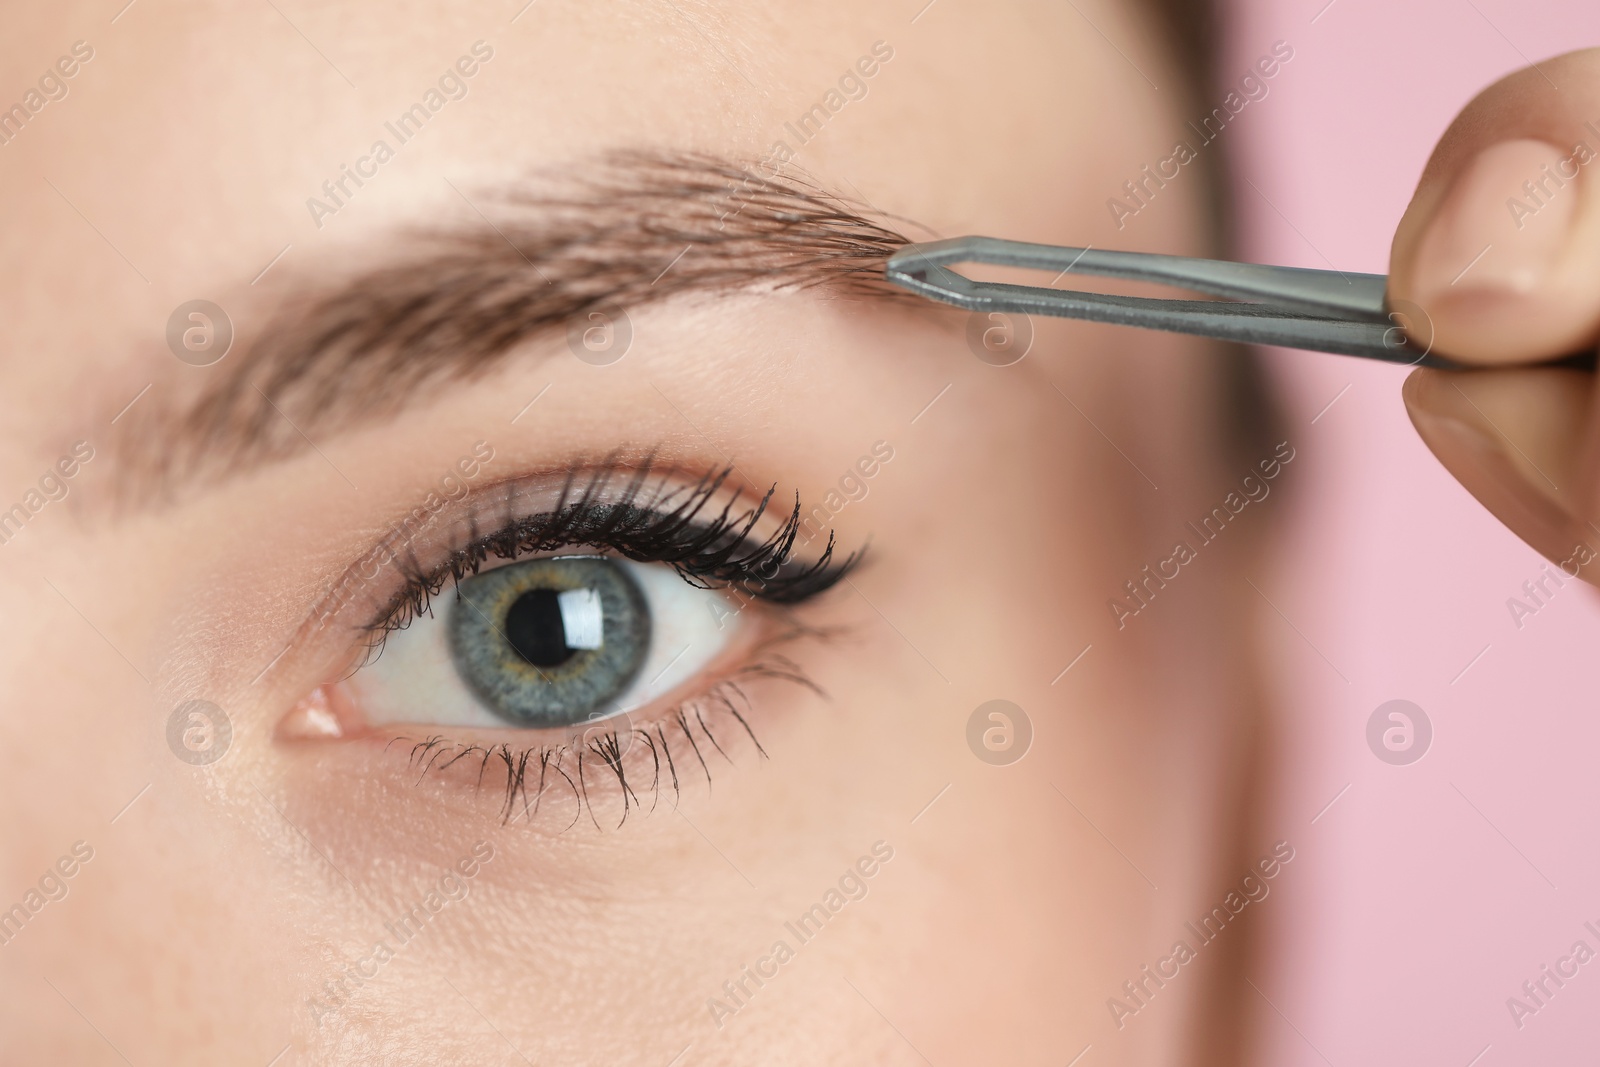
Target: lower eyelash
column 532, row 770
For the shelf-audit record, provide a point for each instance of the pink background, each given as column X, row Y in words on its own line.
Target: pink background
column 1409, row 917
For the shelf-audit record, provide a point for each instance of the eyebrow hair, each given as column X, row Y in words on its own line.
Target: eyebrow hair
column 637, row 228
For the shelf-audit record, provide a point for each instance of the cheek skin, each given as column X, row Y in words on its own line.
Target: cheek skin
column 852, row 770
column 928, row 504
column 227, row 895
column 370, row 790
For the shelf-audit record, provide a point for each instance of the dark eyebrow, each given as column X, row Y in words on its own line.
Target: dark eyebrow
column 635, row 229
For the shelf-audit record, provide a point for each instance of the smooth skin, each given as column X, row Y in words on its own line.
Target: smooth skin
column 207, row 906
column 221, row 899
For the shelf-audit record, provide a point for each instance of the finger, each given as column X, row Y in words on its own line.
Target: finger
column 1522, row 441
column 1500, row 245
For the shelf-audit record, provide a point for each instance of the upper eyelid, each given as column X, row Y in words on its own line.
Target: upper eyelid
column 640, row 483
column 397, row 542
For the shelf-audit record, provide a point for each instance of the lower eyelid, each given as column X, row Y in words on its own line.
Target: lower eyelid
column 614, row 771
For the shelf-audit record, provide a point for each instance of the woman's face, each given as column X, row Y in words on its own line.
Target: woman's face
column 796, row 846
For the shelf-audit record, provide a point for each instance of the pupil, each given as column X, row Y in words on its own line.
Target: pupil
column 535, row 630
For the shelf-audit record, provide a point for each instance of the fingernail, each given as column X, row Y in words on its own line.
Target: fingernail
column 1502, row 226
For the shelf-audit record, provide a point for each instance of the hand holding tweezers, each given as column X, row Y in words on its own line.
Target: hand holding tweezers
column 1319, row 310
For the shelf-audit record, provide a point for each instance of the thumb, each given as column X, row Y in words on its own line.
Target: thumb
column 1500, row 249
column 1500, row 245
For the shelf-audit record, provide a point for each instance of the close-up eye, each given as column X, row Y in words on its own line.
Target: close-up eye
column 547, row 643
column 614, row 600
column 706, row 534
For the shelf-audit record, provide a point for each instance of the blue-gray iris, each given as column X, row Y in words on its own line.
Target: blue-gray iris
column 550, row 642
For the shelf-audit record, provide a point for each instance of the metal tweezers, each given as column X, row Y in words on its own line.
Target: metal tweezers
column 1318, row 310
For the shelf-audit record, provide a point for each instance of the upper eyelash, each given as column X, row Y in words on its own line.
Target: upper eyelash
column 709, row 544
column 666, row 528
